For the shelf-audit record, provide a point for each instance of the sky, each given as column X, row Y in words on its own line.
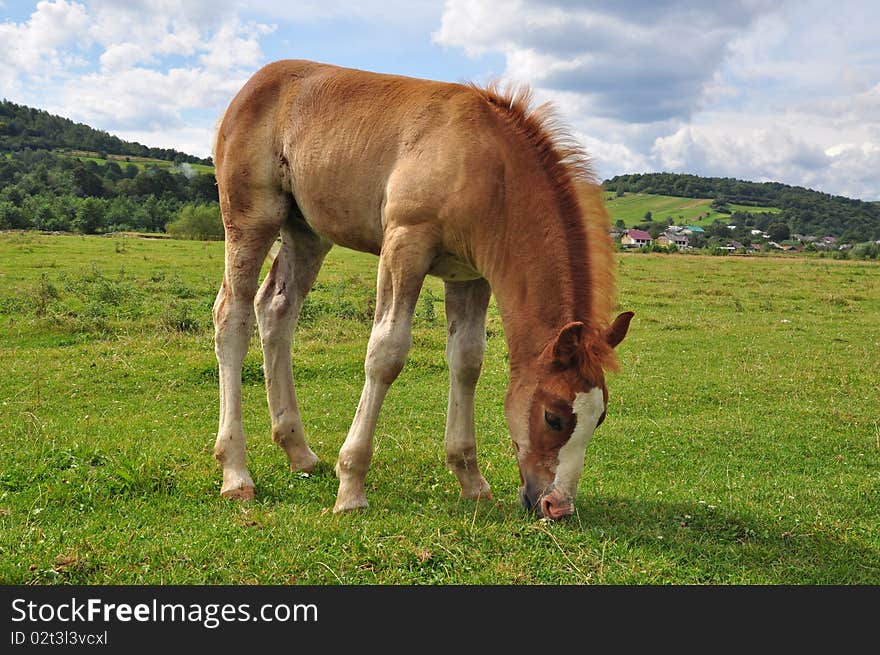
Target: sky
column 763, row 90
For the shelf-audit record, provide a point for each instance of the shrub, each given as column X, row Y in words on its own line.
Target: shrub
column 870, row 250
column 201, row 222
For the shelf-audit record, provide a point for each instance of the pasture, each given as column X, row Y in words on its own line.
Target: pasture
column 742, row 443
column 631, row 208
column 140, row 162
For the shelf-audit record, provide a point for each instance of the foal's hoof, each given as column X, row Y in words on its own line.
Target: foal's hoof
column 478, row 491
column 350, row 505
column 239, row 493
column 482, row 494
column 303, row 461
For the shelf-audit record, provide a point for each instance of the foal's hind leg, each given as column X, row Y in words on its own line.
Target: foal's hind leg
column 466, row 304
column 249, row 234
column 278, row 304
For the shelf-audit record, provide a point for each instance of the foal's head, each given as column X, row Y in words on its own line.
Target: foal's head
column 552, row 409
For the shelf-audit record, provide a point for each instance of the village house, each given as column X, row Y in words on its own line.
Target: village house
column 670, row 238
column 635, row 239
column 790, row 245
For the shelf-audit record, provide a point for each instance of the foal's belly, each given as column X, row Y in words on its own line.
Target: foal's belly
column 452, row 269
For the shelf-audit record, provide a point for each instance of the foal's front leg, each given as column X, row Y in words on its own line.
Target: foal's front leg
column 403, row 264
column 466, row 304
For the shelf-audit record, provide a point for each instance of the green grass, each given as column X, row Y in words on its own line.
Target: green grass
column 140, row 162
column 742, row 443
column 753, row 209
column 631, row 209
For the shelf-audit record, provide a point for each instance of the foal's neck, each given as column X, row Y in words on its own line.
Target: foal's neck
column 539, row 276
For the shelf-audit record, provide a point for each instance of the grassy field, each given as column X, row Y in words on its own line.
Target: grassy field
column 742, row 443
column 631, row 208
column 140, row 162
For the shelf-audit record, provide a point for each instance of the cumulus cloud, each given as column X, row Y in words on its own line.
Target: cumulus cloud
column 770, row 151
column 638, row 62
column 759, row 153
column 140, row 97
column 37, row 47
column 130, row 66
column 752, row 89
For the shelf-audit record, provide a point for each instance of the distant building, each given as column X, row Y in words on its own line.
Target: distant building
column 670, row 238
column 635, row 239
column 695, row 229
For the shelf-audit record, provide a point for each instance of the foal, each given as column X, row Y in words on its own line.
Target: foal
column 451, row 180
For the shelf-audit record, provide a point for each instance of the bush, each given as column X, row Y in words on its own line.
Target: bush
column 870, row 250
column 11, row 217
column 201, row 222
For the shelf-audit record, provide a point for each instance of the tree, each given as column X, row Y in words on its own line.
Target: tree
column 89, row 216
column 203, row 188
column 201, row 222
column 697, row 240
column 86, row 183
column 720, row 205
column 648, row 216
column 11, row 217
column 778, row 231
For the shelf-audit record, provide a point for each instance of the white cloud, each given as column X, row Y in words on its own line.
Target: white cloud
column 193, row 140
column 770, row 150
column 36, row 47
column 752, row 89
column 639, row 62
column 144, row 67
column 141, row 97
column 383, row 11
column 764, row 153
column 235, row 46
column 119, row 56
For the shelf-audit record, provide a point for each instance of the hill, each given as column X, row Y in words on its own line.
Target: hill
column 805, row 211
column 49, row 165
column 57, row 175
column 631, row 208
column 24, row 127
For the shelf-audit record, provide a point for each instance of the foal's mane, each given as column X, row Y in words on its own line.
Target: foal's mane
column 585, row 220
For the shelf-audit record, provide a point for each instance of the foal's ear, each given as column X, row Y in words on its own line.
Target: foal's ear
column 615, row 334
column 569, row 344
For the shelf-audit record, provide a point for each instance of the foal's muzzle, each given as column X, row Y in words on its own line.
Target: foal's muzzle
column 549, row 503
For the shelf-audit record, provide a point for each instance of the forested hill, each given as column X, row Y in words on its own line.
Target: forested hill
column 24, row 127
column 804, row 210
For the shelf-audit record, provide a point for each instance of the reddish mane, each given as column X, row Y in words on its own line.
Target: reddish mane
column 585, row 220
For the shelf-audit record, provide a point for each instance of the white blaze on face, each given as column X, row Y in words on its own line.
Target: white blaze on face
column 588, row 408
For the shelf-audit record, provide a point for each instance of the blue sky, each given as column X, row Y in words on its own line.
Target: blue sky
column 753, row 89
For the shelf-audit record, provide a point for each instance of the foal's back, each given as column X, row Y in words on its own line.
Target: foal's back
column 356, row 149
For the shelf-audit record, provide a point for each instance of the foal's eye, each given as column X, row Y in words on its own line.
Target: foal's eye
column 554, row 421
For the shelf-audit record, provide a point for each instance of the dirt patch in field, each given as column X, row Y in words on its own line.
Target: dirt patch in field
column 699, row 202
